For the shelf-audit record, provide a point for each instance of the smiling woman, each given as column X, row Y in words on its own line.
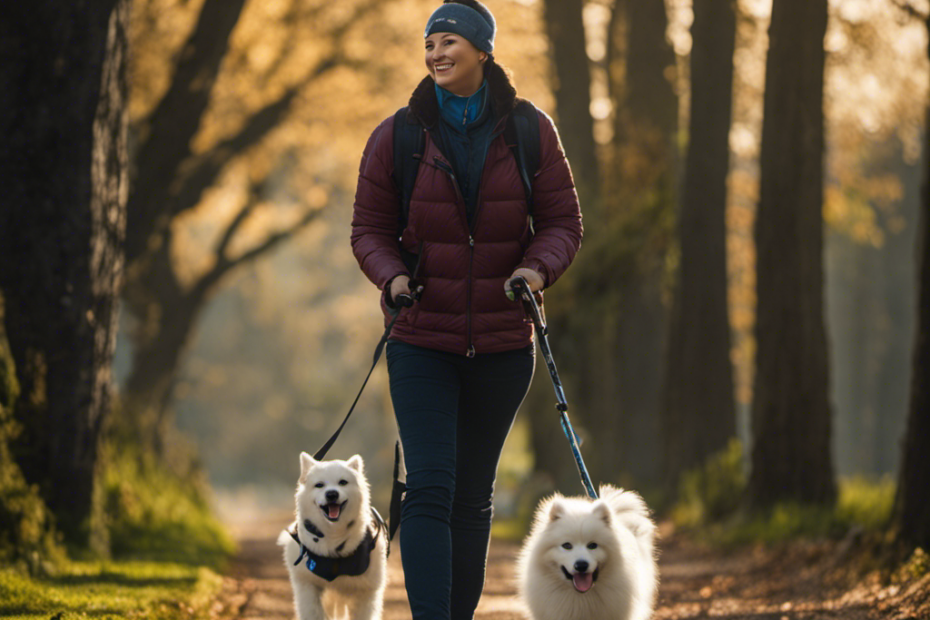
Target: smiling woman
column 461, row 360
column 455, row 64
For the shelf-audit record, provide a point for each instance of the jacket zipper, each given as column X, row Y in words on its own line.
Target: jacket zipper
column 470, row 351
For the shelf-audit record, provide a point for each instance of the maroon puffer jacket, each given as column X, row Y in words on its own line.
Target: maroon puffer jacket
column 464, row 308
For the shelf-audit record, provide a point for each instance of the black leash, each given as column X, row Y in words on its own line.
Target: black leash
column 400, row 302
column 520, row 286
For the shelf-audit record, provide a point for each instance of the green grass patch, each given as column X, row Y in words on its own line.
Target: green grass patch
column 862, row 505
column 156, row 591
column 712, row 492
column 156, row 515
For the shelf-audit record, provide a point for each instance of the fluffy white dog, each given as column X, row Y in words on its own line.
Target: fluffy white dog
column 590, row 559
column 336, row 549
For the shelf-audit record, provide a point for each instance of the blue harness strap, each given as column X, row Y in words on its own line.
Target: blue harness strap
column 331, row 567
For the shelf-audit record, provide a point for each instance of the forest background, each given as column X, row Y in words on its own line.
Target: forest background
column 695, row 313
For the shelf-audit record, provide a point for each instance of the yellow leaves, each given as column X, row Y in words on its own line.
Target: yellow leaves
column 848, row 207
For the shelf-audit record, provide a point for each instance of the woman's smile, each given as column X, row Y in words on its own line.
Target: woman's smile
column 454, row 63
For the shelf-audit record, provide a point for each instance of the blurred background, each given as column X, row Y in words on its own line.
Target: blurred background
column 245, row 327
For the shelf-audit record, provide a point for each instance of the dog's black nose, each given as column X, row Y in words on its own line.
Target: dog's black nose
column 581, row 566
column 332, row 496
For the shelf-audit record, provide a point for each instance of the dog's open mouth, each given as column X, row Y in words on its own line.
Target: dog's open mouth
column 333, row 510
column 581, row 581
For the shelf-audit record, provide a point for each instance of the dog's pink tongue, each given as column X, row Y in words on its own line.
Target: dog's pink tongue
column 583, row 581
column 334, row 511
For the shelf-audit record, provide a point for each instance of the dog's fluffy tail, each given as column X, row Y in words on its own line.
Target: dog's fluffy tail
column 630, row 509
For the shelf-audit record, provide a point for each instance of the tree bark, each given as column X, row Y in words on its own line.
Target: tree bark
column 699, row 417
column 64, row 173
column 791, row 455
column 572, row 87
column 639, row 203
column 912, row 506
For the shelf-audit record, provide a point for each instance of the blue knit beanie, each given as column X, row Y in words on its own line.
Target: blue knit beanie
column 472, row 21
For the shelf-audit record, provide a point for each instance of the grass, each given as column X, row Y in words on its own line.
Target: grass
column 167, row 549
column 862, row 505
column 154, row 515
column 104, row 590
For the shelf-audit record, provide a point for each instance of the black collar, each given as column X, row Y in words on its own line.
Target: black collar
column 330, row 567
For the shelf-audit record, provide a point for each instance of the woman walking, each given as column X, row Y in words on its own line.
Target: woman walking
column 461, row 359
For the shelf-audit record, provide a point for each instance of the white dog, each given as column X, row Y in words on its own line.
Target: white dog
column 336, row 550
column 590, row 560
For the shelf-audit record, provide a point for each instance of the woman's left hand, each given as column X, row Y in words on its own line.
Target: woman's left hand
column 533, row 279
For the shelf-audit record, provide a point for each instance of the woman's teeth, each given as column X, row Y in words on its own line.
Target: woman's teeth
column 443, row 67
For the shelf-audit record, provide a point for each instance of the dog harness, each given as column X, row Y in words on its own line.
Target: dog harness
column 330, row 567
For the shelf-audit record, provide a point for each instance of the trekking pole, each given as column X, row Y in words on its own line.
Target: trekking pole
column 519, row 286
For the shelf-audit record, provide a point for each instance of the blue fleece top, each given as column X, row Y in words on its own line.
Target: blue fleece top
column 466, row 130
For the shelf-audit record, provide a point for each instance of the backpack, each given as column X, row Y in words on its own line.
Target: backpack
column 521, row 131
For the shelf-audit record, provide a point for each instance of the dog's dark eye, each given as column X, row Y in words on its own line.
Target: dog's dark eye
column 567, row 546
column 342, row 483
column 319, row 485
column 592, row 545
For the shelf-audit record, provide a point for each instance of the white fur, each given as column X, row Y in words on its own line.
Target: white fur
column 620, row 526
column 357, row 597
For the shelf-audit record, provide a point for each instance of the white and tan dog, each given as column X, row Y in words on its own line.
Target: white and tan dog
column 590, row 559
column 336, row 549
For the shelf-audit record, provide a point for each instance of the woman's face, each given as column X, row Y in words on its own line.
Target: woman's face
column 455, row 63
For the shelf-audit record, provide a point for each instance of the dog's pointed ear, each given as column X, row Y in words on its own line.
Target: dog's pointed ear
column 556, row 510
column 356, row 463
column 602, row 512
column 306, row 462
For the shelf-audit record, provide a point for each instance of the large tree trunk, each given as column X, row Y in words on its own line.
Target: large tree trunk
column 700, row 416
column 572, row 89
column 912, row 507
column 639, row 204
column 611, row 332
column 62, row 225
column 791, row 455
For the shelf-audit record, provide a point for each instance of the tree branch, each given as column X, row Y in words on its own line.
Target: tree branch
column 211, row 164
column 224, row 265
column 234, row 226
column 910, row 9
column 176, row 119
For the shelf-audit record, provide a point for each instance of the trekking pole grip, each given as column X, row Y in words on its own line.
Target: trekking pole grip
column 518, row 286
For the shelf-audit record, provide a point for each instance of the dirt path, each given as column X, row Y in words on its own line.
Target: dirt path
column 803, row 582
column 259, row 586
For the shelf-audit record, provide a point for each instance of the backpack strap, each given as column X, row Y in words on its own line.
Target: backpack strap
column 408, row 151
column 522, row 133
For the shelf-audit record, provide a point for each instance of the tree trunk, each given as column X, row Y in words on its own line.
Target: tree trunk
column 158, row 346
column 64, row 173
column 791, row 455
column 700, row 415
column 167, row 133
column 571, row 84
column 639, row 202
column 572, row 87
column 912, row 506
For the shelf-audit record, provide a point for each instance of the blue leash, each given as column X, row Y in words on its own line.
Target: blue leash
column 519, row 286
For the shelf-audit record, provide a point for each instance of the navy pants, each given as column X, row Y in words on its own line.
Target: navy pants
column 454, row 414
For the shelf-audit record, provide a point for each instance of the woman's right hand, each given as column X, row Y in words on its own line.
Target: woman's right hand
column 400, row 285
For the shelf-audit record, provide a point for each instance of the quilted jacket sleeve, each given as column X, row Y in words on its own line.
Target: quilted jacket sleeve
column 376, row 212
column 556, row 212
